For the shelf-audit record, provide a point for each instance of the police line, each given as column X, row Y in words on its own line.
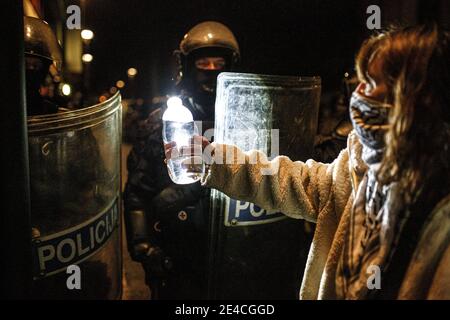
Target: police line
column 54, row 253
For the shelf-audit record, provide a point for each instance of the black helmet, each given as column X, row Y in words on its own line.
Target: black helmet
column 43, row 58
column 40, row 42
column 206, row 39
column 209, row 34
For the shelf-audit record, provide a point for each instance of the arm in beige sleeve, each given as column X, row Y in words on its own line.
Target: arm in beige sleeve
column 298, row 189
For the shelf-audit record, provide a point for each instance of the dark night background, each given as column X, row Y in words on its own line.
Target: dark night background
column 276, row 37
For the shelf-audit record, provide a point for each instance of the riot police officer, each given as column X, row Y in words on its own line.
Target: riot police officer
column 167, row 224
column 43, row 60
column 69, row 182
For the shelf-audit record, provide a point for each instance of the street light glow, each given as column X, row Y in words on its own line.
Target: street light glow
column 132, row 72
column 120, row 84
column 87, row 34
column 66, row 89
column 87, row 57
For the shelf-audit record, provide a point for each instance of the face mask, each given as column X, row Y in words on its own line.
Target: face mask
column 207, row 80
column 205, row 88
column 34, row 79
column 370, row 120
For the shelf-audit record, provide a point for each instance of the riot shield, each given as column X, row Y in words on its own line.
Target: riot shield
column 257, row 254
column 75, row 202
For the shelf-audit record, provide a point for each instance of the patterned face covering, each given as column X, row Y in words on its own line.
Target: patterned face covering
column 370, row 236
column 370, row 120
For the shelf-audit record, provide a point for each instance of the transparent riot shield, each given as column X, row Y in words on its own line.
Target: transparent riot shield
column 75, row 202
column 257, row 254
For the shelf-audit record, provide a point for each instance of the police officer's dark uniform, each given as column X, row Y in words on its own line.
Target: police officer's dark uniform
column 168, row 224
column 334, row 122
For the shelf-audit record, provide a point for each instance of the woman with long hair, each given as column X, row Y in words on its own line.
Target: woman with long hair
column 382, row 208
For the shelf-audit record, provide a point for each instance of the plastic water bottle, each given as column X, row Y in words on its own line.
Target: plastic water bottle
column 179, row 127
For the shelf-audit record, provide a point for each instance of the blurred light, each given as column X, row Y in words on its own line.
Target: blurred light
column 113, row 90
column 102, row 98
column 132, row 72
column 28, row 32
column 210, row 35
column 87, row 34
column 66, row 89
column 120, row 84
column 140, row 102
column 87, row 57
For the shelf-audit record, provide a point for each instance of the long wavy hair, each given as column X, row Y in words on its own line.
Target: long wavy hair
column 415, row 63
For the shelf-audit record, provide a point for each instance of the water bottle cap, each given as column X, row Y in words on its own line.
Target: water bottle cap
column 176, row 111
column 174, row 102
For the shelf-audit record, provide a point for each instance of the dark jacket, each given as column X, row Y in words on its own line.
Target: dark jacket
column 176, row 215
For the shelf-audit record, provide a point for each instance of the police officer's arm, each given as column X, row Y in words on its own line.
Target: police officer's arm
column 135, row 204
column 147, row 196
column 298, row 189
column 141, row 186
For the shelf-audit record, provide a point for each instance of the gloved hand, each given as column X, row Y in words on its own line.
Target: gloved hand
column 156, row 264
column 176, row 197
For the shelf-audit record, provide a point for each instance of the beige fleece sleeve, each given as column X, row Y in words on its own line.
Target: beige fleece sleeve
column 440, row 287
column 298, row 189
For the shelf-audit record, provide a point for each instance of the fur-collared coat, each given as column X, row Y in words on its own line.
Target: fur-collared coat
column 324, row 194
